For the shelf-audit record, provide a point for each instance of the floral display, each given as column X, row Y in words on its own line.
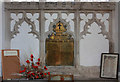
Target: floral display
column 34, row 70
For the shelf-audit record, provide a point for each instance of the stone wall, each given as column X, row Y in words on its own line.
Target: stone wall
column 66, row 7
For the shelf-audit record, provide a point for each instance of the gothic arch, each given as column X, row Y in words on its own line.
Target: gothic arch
column 24, row 18
column 103, row 31
column 55, row 21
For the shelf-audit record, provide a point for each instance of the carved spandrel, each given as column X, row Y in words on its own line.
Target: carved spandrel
column 27, row 19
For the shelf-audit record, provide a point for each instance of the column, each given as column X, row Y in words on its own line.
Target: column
column 1, row 36
column 42, row 38
column 119, row 33
column 114, row 29
column 76, row 40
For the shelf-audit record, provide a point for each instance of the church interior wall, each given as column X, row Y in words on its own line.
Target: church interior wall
column 30, row 44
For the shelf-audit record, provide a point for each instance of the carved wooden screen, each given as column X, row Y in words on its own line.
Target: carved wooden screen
column 59, row 47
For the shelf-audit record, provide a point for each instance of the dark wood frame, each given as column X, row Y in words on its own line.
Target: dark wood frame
column 101, row 66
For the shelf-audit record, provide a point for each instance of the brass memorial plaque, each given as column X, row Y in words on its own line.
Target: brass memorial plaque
column 60, row 47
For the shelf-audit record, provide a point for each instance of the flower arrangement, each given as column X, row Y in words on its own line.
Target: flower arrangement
column 34, row 70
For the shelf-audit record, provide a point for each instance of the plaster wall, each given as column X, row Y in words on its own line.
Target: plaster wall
column 4, row 31
column 0, row 35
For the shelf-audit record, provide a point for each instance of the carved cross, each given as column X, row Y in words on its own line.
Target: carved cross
column 59, row 25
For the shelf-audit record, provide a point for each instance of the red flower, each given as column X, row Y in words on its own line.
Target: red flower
column 42, row 75
column 28, row 61
column 28, row 76
column 33, row 74
column 45, row 73
column 22, row 71
column 36, row 77
column 32, row 56
column 37, row 71
column 32, row 64
column 45, row 68
column 38, row 63
column 32, row 59
column 28, row 72
column 25, row 68
column 38, row 59
column 48, row 73
column 36, row 66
